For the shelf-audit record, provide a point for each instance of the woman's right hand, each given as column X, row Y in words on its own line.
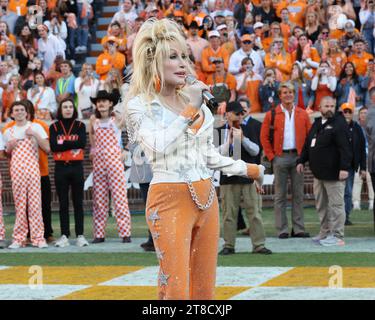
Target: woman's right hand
column 194, row 92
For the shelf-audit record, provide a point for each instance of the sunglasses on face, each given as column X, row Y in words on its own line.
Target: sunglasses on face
column 325, row 33
column 348, row 111
column 246, row 42
column 239, row 113
column 218, row 62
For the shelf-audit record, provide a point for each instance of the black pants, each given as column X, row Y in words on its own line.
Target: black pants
column 144, row 191
column 46, row 205
column 70, row 175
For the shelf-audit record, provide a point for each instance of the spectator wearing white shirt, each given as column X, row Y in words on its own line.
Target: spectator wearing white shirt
column 86, row 87
column 246, row 51
column 42, row 97
column 49, row 47
column 127, row 15
column 57, row 27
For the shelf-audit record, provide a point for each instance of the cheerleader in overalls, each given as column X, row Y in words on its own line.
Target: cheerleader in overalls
column 109, row 171
column 25, row 176
column 2, row 226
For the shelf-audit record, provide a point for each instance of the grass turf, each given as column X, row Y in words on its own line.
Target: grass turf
column 363, row 224
column 363, row 227
column 149, row 259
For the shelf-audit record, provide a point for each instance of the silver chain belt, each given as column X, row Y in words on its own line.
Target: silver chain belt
column 194, row 195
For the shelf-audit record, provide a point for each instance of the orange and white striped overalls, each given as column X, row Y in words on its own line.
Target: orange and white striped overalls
column 109, row 174
column 25, row 175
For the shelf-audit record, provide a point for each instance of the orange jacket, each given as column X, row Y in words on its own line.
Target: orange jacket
column 302, row 128
column 106, row 62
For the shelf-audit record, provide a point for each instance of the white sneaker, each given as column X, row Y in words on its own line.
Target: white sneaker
column 78, row 49
column 62, row 242
column 317, row 238
column 332, row 241
column 371, row 205
column 14, row 245
column 81, row 241
column 42, row 245
column 83, row 49
column 356, row 205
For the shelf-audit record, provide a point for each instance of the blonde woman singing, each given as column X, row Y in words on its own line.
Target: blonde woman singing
column 174, row 127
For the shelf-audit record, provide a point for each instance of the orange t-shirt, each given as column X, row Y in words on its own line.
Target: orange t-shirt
column 252, row 93
column 106, row 62
column 282, row 63
column 228, row 47
column 361, row 63
column 207, row 53
column 285, row 30
column 18, row 5
column 336, row 34
column 43, row 156
column 297, row 12
column 230, row 81
column 280, row 6
column 337, row 61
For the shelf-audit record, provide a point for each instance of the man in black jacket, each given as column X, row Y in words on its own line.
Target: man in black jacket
column 328, row 151
column 240, row 138
column 358, row 144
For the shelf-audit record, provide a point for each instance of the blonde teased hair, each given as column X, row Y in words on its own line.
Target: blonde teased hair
column 151, row 46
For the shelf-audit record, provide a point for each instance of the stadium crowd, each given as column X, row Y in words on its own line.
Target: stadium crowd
column 286, row 58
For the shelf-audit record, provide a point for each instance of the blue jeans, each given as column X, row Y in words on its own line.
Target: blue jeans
column 368, row 34
column 83, row 27
column 71, row 38
column 348, row 195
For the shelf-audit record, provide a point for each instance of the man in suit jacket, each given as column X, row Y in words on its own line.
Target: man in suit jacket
column 239, row 138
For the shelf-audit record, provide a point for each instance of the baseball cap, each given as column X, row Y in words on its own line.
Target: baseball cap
column 112, row 39
column 219, row 14
column 258, row 25
column 221, row 27
column 347, row 105
column 246, row 37
column 214, row 33
column 234, row 106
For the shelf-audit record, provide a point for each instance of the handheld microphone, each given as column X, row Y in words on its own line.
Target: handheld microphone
column 208, row 98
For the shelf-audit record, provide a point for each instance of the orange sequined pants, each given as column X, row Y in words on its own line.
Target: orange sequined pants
column 185, row 238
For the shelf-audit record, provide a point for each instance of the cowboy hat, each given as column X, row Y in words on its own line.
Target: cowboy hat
column 103, row 95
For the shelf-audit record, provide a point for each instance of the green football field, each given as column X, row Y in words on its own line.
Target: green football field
column 363, row 227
